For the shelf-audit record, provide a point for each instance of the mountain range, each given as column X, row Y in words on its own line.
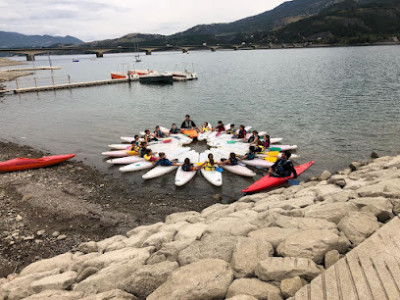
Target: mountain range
column 18, row 40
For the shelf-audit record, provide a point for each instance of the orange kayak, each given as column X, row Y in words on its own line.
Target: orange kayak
column 23, row 163
column 192, row 133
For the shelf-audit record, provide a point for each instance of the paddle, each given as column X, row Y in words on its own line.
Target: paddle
column 293, row 182
column 166, row 141
column 219, row 169
column 272, row 153
column 231, row 142
column 275, row 149
column 271, row 159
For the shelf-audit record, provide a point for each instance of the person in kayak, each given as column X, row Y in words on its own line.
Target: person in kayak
column 205, row 127
column 174, row 129
column 232, row 160
column 267, row 141
column 188, row 124
column 251, row 154
column 209, row 164
column 135, row 144
column 164, row 161
column 148, row 137
column 242, row 133
column 188, row 166
column 231, row 129
column 256, row 142
column 149, row 156
column 158, row 133
column 143, row 149
column 220, row 127
column 283, row 167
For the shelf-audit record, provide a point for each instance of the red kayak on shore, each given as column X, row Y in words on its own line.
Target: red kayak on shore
column 268, row 181
column 23, row 163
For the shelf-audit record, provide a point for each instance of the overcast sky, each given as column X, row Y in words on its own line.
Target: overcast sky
column 100, row 19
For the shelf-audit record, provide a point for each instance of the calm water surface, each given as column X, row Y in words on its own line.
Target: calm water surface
column 336, row 104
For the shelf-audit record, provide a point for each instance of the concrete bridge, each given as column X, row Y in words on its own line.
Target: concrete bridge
column 99, row 51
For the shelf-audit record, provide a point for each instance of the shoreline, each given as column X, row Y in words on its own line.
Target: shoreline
column 75, row 200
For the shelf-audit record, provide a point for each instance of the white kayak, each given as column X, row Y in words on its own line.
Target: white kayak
column 162, row 170
column 166, row 140
column 182, row 139
column 183, row 177
column 258, row 162
column 141, row 165
column 213, row 177
column 125, row 160
column 204, row 135
column 236, row 169
column 116, row 153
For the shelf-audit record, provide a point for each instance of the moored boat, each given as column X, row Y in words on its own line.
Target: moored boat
column 184, row 75
column 23, row 163
column 119, row 75
column 156, row 78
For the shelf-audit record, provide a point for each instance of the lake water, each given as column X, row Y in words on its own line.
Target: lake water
column 336, row 104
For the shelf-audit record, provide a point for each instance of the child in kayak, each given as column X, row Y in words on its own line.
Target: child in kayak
column 220, row 127
column 205, row 127
column 134, row 144
column 255, row 141
column 242, row 133
column 209, row 164
column 251, row 154
column 188, row 166
column 148, row 137
column 150, row 157
column 231, row 130
column 158, row 133
column 174, row 129
column 164, row 161
column 267, row 141
column 232, row 160
column 283, row 167
column 143, row 149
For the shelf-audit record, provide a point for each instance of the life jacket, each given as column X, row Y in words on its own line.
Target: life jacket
column 220, row 128
column 260, row 148
column 280, row 168
column 250, row 156
column 142, row 152
column 159, row 133
column 267, row 144
column 188, row 124
column 209, row 167
column 251, row 139
column 187, row 168
column 231, row 131
column 164, row 162
column 149, row 158
column 174, row 131
column 205, row 129
column 242, row 134
column 233, row 161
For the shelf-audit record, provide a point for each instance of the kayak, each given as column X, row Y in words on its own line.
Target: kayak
column 125, row 160
column 213, row 177
column 162, row 170
column 258, row 162
column 268, row 182
column 192, row 133
column 183, row 177
column 203, row 135
column 236, row 169
column 119, row 153
column 23, row 163
column 229, row 141
column 182, row 139
column 141, row 165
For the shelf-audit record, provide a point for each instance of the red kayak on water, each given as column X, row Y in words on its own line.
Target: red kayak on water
column 268, row 181
column 23, row 163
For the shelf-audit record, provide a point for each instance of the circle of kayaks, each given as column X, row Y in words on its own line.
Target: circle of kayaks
column 174, row 146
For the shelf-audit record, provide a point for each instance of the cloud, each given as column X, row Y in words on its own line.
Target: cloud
column 101, row 19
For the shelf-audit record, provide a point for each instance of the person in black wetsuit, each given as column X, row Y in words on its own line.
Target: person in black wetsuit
column 283, row 167
column 188, row 124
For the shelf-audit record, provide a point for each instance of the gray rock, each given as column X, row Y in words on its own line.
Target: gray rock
column 61, row 262
column 248, row 252
column 331, row 258
column 18, row 218
column 87, row 247
column 274, row 235
column 54, row 282
column 396, row 205
column 215, row 245
column 290, row 286
column 205, row 279
column 379, row 206
column 191, row 231
column 182, row 216
column 279, row 268
column 153, row 228
column 85, row 273
column 242, row 297
column 56, row 295
column 358, row 226
column 313, row 244
column 114, row 294
column 304, row 223
column 332, row 212
column 232, row 226
column 254, row 287
column 169, row 251
column 148, row 278
column 102, row 245
column 159, row 238
column 325, row 175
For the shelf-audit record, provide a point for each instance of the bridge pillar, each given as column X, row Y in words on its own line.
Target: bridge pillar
column 148, row 52
column 30, row 57
column 99, row 54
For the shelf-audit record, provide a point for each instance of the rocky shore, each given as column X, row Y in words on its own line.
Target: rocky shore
column 264, row 246
column 8, row 76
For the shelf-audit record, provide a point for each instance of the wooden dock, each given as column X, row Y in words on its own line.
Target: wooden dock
column 44, row 68
column 64, row 86
column 370, row 271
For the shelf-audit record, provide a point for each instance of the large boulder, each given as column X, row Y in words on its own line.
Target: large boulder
column 290, row 286
column 248, row 252
column 231, row 225
column 358, row 226
column 153, row 228
column 191, row 231
column 254, row 287
column 134, row 241
column 332, row 212
column 159, row 238
column 217, row 211
column 57, row 295
column 279, row 268
column 54, row 282
column 323, row 190
column 169, row 251
column 148, row 278
column 379, row 206
column 61, row 262
column 114, row 294
column 201, row 280
column 274, row 235
column 392, row 188
column 215, row 245
column 304, row 223
column 103, row 244
column 188, row 216
column 313, row 244
column 242, row 297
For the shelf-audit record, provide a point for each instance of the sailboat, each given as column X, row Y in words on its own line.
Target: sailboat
column 137, row 56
